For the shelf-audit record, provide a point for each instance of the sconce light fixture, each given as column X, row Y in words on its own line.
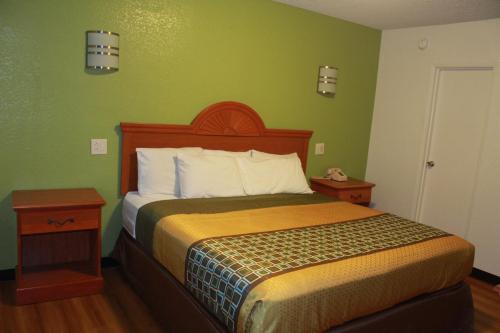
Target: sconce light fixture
column 102, row 51
column 327, row 80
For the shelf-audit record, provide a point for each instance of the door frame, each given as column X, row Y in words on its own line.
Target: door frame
column 429, row 131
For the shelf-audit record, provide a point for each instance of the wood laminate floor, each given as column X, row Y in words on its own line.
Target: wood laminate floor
column 119, row 309
column 487, row 306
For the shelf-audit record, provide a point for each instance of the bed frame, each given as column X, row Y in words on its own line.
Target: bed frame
column 237, row 127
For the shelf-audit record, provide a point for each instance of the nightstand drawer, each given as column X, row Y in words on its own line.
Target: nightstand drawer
column 37, row 222
column 355, row 196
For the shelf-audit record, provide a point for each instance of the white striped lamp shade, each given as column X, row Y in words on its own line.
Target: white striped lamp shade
column 327, row 80
column 103, row 51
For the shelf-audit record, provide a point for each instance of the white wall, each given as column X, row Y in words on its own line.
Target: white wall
column 401, row 116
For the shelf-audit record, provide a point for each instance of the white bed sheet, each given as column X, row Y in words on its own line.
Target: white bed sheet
column 131, row 204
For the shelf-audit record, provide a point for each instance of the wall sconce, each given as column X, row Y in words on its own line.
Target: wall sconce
column 102, row 51
column 327, row 80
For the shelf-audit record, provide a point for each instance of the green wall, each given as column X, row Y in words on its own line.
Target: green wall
column 176, row 57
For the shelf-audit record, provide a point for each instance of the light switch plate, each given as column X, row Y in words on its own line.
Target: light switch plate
column 98, row 146
column 319, row 149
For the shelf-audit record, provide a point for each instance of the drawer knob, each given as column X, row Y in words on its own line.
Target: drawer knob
column 356, row 196
column 61, row 223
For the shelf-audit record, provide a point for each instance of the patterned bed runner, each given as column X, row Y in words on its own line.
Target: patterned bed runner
column 221, row 271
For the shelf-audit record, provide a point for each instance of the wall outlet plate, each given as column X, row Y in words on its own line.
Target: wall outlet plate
column 98, row 146
column 319, row 149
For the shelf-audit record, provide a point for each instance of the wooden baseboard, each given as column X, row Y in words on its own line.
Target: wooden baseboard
column 10, row 274
column 485, row 276
column 7, row 274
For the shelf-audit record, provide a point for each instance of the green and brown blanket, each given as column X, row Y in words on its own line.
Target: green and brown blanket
column 255, row 262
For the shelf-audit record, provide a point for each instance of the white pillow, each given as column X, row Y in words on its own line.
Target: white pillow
column 262, row 155
column 205, row 176
column 210, row 152
column 157, row 170
column 270, row 176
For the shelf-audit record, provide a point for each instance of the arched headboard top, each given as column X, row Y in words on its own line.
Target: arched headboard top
column 228, row 118
column 229, row 126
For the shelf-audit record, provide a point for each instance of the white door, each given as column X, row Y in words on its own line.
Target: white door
column 461, row 102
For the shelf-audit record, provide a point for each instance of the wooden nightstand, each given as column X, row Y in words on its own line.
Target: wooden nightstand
column 352, row 190
column 58, row 244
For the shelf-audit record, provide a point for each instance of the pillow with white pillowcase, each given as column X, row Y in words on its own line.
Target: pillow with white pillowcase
column 272, row 175
column 157, row 170
column 227, row 153
column 206, row 176
column 262, row 155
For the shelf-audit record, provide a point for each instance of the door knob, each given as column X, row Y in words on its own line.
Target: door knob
column 430, row 164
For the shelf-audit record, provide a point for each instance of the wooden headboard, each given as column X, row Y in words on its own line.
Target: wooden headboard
column 229, row 126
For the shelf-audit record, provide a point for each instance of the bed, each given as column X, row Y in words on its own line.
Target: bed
column 412, row 284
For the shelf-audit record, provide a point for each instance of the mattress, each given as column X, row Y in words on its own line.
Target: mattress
column 358, row 261
column 132, row 202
